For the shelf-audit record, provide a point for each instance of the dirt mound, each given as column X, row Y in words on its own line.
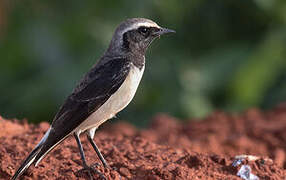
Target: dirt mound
column 167, row 150
column 254, row 132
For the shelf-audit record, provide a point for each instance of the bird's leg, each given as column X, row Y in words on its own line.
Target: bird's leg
column 87, row 168
column 97, row 151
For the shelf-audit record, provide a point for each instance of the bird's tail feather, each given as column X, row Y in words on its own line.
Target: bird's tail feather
column 31, row 157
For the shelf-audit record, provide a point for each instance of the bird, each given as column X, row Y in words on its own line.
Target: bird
column 106, row 89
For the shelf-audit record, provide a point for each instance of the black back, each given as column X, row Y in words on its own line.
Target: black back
column 93, row 91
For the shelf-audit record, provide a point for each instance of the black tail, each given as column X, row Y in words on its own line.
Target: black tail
column 31, row 158
column 27, row 163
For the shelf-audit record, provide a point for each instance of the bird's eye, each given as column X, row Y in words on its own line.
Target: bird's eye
column 143, row 30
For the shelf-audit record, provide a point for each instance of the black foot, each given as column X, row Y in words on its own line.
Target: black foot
column 93, row 170
column 112, row 168
column 106, row 166
column 95, row 165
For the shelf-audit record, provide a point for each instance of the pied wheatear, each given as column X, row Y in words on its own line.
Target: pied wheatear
column 105, row 90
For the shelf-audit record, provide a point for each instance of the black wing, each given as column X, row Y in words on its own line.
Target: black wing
column 93, row 91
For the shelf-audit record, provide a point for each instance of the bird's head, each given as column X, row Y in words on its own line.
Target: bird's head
column 135, row 35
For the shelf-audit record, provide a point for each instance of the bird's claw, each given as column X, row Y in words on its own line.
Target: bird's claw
column 93, row 169
column 106, row 166
column 95, row 165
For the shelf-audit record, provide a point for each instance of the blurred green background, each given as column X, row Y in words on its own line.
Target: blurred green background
column 226, row 54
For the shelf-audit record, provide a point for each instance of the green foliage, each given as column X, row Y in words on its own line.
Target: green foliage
column 226, row 55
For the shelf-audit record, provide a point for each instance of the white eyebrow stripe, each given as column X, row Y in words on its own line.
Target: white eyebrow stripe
column 147, row 24
column 137, row 25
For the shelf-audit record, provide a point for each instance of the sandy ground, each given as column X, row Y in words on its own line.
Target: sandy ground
column 168, row 149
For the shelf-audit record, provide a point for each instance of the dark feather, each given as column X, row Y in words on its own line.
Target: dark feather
column 92, row 92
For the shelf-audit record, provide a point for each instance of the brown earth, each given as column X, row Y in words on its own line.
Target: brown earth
column 167, row 150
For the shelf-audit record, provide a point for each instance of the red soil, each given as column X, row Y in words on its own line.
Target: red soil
column 167, row 150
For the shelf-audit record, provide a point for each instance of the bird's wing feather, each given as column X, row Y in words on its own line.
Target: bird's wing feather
column 93, row 91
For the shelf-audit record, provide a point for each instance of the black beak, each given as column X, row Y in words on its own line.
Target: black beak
column 164, row 31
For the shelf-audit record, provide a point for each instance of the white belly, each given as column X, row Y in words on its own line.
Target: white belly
column 118, row 101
